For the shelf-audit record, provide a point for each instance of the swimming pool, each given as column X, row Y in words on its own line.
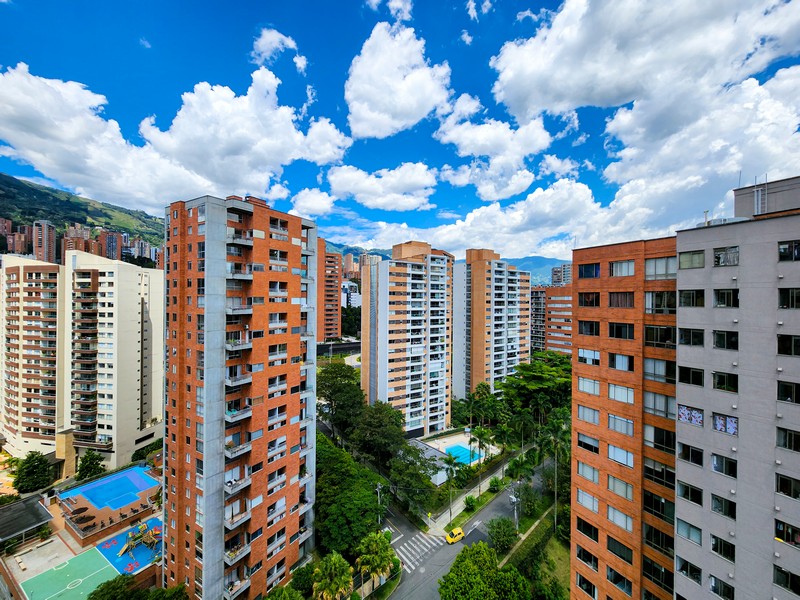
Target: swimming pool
column 115, row 491
column 462, row 453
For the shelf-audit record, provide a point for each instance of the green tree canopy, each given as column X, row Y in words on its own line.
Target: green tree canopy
column 542, row 384
column 410, row 472
column 502, row 533
column 333, row 578
column 375, row 555
column 303, row 579
column 33, row 472
column 284, row 593
column 174, row 593
column 90, row 465
column 338, row 384
column 474, row 576
column 379, row 434
column 120, row 587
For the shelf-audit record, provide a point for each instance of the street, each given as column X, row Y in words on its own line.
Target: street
column 428, row 558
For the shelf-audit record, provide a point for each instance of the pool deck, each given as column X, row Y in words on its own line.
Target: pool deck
column 457, row 438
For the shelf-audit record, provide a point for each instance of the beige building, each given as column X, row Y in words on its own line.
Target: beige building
column 406, row 334
column 84, row 352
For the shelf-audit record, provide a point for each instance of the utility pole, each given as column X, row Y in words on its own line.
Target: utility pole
column 378, row 489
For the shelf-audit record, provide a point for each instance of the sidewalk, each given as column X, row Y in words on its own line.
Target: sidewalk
column 438, row 523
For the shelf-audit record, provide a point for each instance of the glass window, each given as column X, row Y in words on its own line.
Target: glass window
column 659, row 370
column 690, row 337
column 690, row 375
column 788, row 486
column 588, row 472
column 619, row 581
column 619, row 549
column 620, row 455
column 619, row 518
column 659, row 336
column 661, row 576
column 620, row 299
column 726, row 424
column 789, row 345
column 661, row 268
column 659, row 404
column 789, row 439
column 690, row 532
column 659, row 473
column 588, row 357
column 727, row 382
column 620, row 425
column 789, row 251
column 692, row 298
column 620, row 393
column 726, row 298
column 789, row 298
column 726, row 340
column 659, row 303
column 586, row 557
column 587, row 529
column 723, row 464
column 621, row 268
column 590, row 415
column 726, row 257
column 589, row 327
column 589, row 386
column 586, row 586
column 620, row 362
column 720, row 588
column 723, row 506
column 586, row 500
column 694, row 259
column 589, row 271
column 622, row 331
column 786, row 579
column 691, row 493
column 660, row 540
column 660, row 439
column 589, row 299
column 789, row 392
column 660, row 507
column 690, row 415
column 687, row 569
column 723, row 547
column 620, row 488
column 588, row 443
column 787, row 533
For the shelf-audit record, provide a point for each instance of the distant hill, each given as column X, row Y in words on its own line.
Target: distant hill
column 24, row 202
column 356, row 251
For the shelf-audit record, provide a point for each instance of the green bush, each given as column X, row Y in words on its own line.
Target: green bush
column 495, row 484
column 396, row 565
column 470, row 503
column 142, row 453
column 527, row 557
column 8, row 499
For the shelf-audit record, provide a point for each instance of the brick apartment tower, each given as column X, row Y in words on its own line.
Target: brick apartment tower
column 551, row 318
column 84, row 357
column 623, row 416
column 329, row 302
column 406, row 334
column 44, row 241
column 241, row 352
column 491, row 320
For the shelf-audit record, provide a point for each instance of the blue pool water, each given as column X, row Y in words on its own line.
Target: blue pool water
column 462, row 454
column 115, row 491
column 139, row 556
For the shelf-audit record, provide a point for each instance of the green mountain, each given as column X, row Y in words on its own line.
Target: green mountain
column 24, row 202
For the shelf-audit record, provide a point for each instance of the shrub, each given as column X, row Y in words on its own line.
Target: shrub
column 142, row 453
column 528, row 555
column 470, row 503
column 396, row 565
column 495, row 484
column 502, row 533
column 303, row 579
column 44, row 532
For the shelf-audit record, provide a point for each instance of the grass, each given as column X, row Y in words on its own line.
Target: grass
column 559, row 554
column 465, row 516
column 387, row 588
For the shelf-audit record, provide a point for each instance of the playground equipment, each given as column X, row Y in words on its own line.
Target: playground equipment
column 142, row 535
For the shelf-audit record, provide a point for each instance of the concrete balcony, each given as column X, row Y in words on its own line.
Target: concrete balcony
column 232, row 344
column 235, row 589
column 240, row 379
column 232, row 452
column 239, row 309
column 240, row 239
column 234, row 487
column 234, row 556
column 236, row 520
column 234, row 416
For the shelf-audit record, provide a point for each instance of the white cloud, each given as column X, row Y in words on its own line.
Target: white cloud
column 472, row 10
column 270, row 43
column 486, row 6
column 447, row 214
column 560, row 167
column 391, row 86
column 142, row 42
column 278, row 191
column 466, row 37
column 373, row 4
column 408, row 187
column 399, row 9
column 217, row 143
column 643, row 50
column 504, row 173
column 547, row 223
column 311, row 203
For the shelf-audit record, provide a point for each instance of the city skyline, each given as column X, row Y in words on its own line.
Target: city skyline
column 463, row 125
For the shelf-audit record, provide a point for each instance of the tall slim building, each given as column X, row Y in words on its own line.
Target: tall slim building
column 538, row 317
column 558, row 323
column 561, row 275
column 111, row 242
column 406, row 334
column 623, row 407
column 239, row 454
column 490, row 334
column 738, row 423
column 84, row 354
column 349, row 266
column 44, row 241
column 329, row 307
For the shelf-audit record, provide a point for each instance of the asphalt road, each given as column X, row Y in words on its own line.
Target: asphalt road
column 428, row 558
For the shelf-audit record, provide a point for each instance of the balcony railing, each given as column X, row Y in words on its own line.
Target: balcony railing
column 234, row 589
column 234, row 555
column 232, row 452
column 236, row 520
column 234, row 416
column 234, row 487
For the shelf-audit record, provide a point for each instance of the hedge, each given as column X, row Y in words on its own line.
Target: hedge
column 529, row 552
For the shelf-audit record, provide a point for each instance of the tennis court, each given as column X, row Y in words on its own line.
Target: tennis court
column 71, row 580
column 116, row 491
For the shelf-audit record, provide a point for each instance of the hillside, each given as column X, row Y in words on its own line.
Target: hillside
column 24, row 202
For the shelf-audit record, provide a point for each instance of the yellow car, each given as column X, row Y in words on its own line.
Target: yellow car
column 454, row 536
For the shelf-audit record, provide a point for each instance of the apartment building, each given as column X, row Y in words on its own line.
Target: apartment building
column 561, row 275
column 44, row 241
column 538, row 317
column 406, row 334
column 623, row 467
column 111, row 243
column 738, row 415
column 551, row 318
column 329, row 313
column 491, row 320
column 84, row 352
column 241, row 351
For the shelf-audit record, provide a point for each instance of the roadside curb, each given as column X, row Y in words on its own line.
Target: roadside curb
column 524, row 536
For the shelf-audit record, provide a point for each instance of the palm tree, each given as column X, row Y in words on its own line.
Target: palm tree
column 502, row 436
column 284, row 593
column 451, row 467
column 480, row 436
column 557, row 435
column 333, row 578
column 375, row 556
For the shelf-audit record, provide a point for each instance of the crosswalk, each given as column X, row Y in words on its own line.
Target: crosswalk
column 413, row 551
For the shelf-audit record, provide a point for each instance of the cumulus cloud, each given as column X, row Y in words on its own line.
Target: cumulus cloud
column 547, row 222
column 466, row 37
column 472, row 10
column 499, row 170
column 217, row 143
column 399, row 9
column 311, row 203
column 391, row 85
column 142, row 42
column 408, row 187
column 560, row 167
column 270, row 43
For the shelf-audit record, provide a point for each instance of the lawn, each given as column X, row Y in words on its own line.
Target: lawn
column 559, row 554
column 465, row 516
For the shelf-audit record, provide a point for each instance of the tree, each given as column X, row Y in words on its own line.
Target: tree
column 121, row 586
column 502, row 533
column 284, row 593
column 485, row 402
column 33, row 473
column 378, row 436
column 338, row 385
column 451, row 466
column 556, row 438
column 529, row 500
column 351, row 321
column 333, row 578
column 375, row 555
column 410, row 473
column 303, row 580
column 174, row 593
column 90, row 465
column 502, row 436
column 474, row 576
column 481, row 436
column 541, row 385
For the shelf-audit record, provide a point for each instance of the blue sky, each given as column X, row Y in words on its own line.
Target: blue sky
column 526, row 127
